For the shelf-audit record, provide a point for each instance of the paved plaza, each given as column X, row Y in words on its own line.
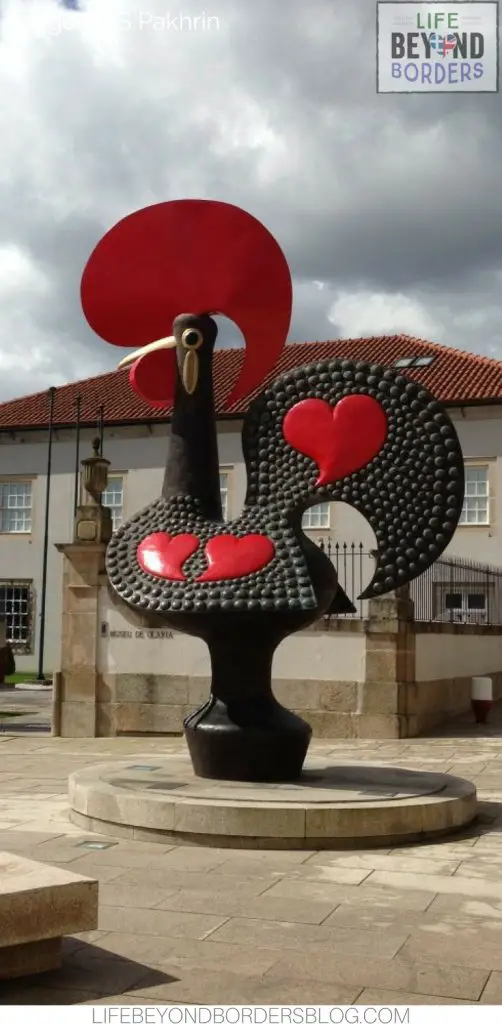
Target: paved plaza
column 421, row 924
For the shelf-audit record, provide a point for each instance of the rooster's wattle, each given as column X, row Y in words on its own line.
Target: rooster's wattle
column 334, row 431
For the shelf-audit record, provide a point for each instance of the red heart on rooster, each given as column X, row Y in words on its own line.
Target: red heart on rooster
column 341, row 439
column 230, row 557
column 162, row 555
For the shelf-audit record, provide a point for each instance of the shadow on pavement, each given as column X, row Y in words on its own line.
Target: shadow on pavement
column 88, row 973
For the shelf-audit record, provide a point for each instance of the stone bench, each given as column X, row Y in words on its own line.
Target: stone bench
column 39, row 904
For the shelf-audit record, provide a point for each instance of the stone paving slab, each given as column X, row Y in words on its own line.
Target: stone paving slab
column 493, row 991
column 383, row 996
column 186, row 924
column 399, row 975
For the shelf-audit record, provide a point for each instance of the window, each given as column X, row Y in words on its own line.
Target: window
column 113, row 498
column 475, row 509
column 317, row 518
column 407, row 361
column 465, row 604
column 16, row 605
column 15, row 506
column 224, row 485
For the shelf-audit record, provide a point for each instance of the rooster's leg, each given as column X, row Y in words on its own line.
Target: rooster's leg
column 242, row 733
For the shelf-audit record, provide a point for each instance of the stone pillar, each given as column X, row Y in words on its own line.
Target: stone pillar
column 77, row 684
column 390, row 668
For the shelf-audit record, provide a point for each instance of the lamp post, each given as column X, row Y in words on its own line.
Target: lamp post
column 43, row 593
column 78, row 407
column 101, row 427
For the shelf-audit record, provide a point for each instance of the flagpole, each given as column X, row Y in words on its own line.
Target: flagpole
column 101, row 427
column 43, row 591
column 77, row 457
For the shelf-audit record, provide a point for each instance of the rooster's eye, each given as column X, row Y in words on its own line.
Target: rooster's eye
column 191, row 339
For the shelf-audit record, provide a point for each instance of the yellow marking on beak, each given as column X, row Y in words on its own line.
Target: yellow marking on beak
column 190, row 371
column 154, row 346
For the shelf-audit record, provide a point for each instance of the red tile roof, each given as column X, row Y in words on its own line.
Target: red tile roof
column 454, row 377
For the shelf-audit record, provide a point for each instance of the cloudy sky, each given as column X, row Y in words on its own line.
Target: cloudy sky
column 387, row 207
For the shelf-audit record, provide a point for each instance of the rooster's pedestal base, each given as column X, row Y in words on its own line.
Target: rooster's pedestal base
column 247, row 741
column 331, row 807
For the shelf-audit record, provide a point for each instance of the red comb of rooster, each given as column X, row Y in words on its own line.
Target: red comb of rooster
column 190, row 256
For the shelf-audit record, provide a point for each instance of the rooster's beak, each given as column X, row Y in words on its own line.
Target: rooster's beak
column 154, row 346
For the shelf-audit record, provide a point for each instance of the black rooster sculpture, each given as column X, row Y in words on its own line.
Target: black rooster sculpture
column 333, row 431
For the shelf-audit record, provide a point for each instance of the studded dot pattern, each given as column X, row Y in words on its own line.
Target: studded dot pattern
column 284, row 583
column 411, row 493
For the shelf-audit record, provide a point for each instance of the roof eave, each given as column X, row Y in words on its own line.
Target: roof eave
column 226, row 416
column 91, row 424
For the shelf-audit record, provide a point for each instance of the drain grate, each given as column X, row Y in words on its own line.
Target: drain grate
column 167, row 785
column 89, row 844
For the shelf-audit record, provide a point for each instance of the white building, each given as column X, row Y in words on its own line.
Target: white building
column 135, row 442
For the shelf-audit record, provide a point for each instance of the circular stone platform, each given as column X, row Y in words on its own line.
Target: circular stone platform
column 344, row 805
